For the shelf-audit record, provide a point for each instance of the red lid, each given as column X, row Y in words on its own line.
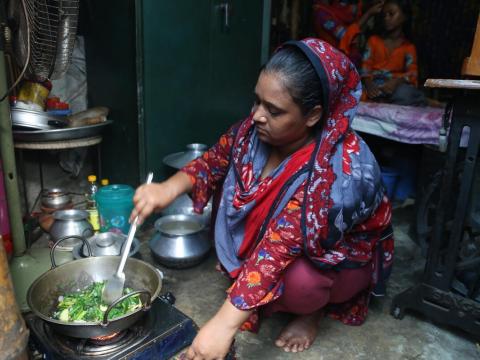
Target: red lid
column 7, row 243
column 54, row 103
column 47, row 84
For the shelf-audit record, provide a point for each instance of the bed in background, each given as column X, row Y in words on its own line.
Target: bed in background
column 405, row 124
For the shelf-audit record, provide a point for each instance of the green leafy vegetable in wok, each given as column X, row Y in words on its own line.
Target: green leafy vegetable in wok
column 87, row 306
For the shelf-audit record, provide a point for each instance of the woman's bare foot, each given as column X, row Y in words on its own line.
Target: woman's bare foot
column 300, row 333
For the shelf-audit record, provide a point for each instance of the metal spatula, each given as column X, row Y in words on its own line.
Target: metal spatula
column 114, row 287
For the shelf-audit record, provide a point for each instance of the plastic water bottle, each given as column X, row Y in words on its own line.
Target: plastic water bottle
column 92, row 203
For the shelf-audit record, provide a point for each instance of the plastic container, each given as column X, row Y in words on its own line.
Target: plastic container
column 67, row 112
column 34, row 94
column 406, row 184
column 54, row 103
column 115, row 203
column 390, row 178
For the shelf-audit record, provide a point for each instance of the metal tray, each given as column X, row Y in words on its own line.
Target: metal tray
column 60, row 134
column 180, row 159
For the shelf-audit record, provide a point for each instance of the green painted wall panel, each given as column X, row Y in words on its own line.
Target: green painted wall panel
column 175, row 74
column 235, row 57
column 198, row 76
column 171, row 73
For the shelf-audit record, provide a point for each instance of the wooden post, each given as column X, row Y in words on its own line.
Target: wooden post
column 13, row 332
column 295, row 13
column 471, row 65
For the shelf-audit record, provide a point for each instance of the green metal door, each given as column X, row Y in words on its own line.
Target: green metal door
column 199, row 61
column 235, row 57
column 110, row 44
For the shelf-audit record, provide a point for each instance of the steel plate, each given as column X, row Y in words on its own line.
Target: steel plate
column 60, row 134
column 28, row 120
column 180, row 159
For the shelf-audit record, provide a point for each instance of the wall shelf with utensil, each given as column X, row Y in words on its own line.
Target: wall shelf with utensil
column 20, row 146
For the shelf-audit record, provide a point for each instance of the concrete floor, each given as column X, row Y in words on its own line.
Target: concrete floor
column 201, row 290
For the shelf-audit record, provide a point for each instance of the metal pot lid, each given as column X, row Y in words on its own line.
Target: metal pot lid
column 53, row 192
column 71, row 214
column 180, row 159
column 104, row 244
column 179, row 224
column 55, row 197
column 107, row 243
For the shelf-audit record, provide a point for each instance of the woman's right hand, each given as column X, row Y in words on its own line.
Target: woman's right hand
column 149, row 198
column 157, row 196
column 374, row 9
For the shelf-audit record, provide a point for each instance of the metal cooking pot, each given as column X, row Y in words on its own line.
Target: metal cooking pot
column 55, row 198
column 180, row 240
column 72, row 223
column 42, row 296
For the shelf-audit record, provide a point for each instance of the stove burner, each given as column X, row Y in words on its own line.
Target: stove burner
column 108, row 339
column 101, row 345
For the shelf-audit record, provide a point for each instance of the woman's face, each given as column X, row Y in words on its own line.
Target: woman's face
column 278, row 119
column 393, row 16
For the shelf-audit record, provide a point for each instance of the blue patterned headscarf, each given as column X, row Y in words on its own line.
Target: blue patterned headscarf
column 342, row 179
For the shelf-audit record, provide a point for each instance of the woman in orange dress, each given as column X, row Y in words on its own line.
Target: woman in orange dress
column 332, row 17
column 389, row 67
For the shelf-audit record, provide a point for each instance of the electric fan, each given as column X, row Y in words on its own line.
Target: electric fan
column 42, row 36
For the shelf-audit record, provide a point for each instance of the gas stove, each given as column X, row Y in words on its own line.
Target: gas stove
column 160, row 334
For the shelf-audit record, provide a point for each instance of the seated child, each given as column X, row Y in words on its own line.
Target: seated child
column 389, row 66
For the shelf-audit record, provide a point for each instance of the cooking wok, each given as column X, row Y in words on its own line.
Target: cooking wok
column 42, row 296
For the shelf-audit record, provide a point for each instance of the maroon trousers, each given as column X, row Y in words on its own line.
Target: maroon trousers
column 308, row 289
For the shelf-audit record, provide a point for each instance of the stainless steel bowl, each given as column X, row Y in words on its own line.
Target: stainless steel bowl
column 71, row 222
column 180, row 241
column 55, row 198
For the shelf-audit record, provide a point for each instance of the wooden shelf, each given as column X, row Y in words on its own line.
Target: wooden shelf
column 453, row 84
column 58, row 144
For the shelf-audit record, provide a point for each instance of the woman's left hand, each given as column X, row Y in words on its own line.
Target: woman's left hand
column 212, row 342
column 214, row 339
